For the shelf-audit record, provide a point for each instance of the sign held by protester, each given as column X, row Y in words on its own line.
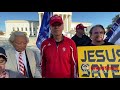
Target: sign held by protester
column 99, row 61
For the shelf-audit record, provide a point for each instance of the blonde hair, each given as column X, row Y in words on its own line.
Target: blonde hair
column 17, row 33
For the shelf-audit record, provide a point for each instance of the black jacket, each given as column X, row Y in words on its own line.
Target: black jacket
column 105, row 43
column 81, row 41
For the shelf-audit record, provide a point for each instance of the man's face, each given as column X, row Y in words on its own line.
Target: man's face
column 2, row 64
column 20, row 43
column 97, row 34
column 80, row 31
column 56, row 29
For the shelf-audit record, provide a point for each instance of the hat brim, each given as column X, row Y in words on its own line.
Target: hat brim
column 3, row 55
column 85, row 27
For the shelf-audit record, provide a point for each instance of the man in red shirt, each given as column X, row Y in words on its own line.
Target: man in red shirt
column 59, row 53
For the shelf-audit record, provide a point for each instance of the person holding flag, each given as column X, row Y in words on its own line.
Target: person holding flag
column 59, row 53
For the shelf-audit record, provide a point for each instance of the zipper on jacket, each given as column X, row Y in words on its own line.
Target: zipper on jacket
column 57, row 48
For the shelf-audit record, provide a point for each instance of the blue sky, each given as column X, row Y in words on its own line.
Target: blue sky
column 16, row 16
column 104, row 18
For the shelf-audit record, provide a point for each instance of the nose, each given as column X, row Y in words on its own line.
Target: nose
column 22, row 44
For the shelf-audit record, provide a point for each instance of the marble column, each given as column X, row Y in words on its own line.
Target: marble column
column 41, row 16
column 40, row 19
column 62, row 16
column 32, row 32
column 65, row 23
column 69, row 22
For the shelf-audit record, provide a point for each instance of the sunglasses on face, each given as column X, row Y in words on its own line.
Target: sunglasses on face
column 56, row 24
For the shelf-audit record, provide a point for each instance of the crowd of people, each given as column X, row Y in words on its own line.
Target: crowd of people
column 59, row 56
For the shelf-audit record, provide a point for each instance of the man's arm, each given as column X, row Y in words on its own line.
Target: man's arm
column 74, row 60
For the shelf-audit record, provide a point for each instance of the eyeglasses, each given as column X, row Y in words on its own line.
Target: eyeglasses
column 56, row 24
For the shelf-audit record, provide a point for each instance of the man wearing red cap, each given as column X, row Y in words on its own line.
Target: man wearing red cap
column 80, row 38
column 59, row 53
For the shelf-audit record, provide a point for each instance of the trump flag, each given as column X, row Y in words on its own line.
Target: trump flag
column 115, row 36
column 44, row 32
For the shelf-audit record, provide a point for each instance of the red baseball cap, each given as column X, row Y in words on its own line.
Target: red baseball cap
column 80, row 26
column 56, row 18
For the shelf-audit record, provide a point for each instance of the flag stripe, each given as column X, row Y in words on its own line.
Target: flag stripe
column 115, row 38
